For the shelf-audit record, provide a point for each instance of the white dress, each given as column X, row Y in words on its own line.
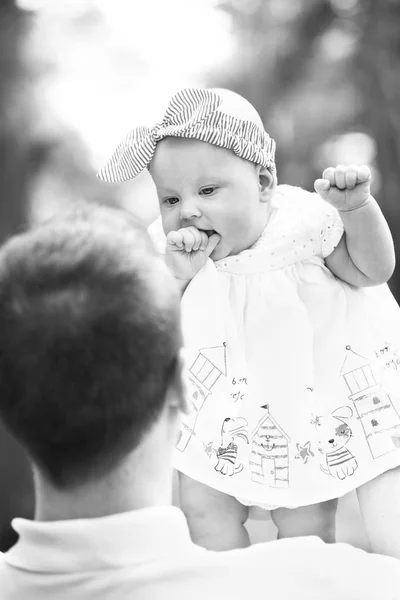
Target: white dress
column 294, row 375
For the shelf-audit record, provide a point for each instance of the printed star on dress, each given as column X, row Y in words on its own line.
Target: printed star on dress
column 304, row 452
column 316, row 421
column 208, row 449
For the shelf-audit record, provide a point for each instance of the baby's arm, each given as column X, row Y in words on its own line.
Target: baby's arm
column 365, row 254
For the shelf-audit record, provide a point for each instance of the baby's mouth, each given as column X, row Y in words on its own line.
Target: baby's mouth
column 209, row 232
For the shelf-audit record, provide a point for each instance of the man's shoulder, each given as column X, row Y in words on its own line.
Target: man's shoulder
column 301, row 568
column 306, row 567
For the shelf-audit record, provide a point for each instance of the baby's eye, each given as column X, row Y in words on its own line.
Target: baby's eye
column 171, row 201
column 208, row 190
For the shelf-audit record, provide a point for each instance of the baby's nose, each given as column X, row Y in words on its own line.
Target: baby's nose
column 189, row 209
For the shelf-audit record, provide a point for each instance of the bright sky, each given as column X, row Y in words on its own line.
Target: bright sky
column 120, row 70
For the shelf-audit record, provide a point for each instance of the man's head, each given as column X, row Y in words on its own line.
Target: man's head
column 89, row 344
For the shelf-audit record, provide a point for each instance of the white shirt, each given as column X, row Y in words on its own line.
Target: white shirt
column 147, row 554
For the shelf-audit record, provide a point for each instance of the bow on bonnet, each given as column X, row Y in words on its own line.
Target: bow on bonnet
column 191, row 114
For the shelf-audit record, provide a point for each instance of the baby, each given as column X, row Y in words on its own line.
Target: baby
column 291, row 336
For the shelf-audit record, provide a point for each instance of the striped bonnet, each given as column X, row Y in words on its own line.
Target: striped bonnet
column 218, row 117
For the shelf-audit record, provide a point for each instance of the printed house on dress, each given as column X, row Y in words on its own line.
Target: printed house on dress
column 269, row 458
column 204, row 373
column 374, row 408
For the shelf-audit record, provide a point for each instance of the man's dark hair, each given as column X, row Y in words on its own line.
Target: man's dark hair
column 89, row 336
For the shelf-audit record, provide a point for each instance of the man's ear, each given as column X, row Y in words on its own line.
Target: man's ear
column 267, row 183
column 178, row 391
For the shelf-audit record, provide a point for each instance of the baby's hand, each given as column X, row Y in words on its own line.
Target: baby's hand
column 187, row 251
column 346, row 188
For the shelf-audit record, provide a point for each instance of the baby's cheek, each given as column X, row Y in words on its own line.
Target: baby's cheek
column 168, row 223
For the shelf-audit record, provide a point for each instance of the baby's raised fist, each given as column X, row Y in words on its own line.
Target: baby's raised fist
column 345, row 187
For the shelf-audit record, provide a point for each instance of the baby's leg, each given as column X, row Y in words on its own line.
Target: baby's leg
column 380, row 508
column 216, row 520
column 316, row 519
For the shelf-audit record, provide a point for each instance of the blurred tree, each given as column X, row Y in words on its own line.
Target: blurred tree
column 316, row 70
column 14, row 149
column 16, row 496
column 43, row 165
column 377, row 73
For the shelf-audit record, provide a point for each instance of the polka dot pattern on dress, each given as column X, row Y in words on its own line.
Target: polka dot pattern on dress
column 304, row 227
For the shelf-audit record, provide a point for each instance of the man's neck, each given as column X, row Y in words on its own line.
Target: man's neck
column 134, row 485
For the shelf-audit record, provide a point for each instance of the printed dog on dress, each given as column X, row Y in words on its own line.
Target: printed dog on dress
column 334, row 435
column 227, row 452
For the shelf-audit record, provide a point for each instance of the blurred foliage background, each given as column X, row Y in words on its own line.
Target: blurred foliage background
column 76, row 74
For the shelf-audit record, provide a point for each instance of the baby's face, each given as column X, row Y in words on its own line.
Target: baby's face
column 208, row 187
